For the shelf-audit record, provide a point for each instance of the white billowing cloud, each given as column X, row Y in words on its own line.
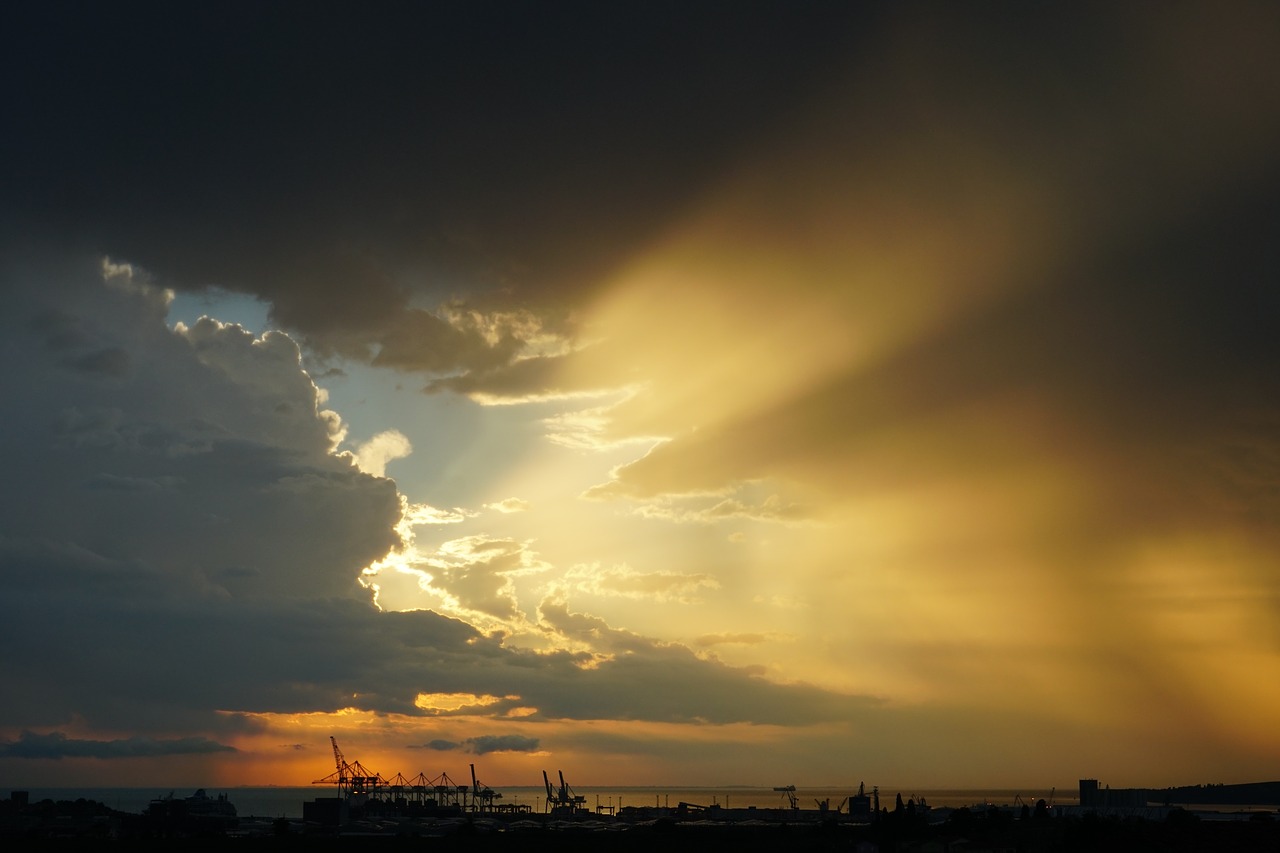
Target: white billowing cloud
column 373, row 455
column 417, row 514
column 508, row 505
column 127, row 278
column 276, row 398
column 471, row 577
column 403, row 579
column 476, row 574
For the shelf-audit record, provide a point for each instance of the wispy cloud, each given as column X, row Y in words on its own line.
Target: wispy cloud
column 626, row 582
column 373, row 455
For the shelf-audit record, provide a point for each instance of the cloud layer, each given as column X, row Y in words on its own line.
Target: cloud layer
column 190, row 528
column 825, row 382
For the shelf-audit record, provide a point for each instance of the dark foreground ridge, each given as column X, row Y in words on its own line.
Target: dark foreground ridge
column 85, row 824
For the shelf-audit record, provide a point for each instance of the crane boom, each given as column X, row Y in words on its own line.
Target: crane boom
column 338, row 760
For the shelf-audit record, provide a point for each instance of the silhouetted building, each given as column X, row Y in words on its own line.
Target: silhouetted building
column 326, row 811
column 1091, row 797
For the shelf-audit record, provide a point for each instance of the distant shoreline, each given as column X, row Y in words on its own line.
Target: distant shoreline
column 274, row 801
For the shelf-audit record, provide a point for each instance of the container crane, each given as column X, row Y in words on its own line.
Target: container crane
column 351, row 777
column 562, row 799
column 789, row 791
column 825, row 805
column 551, row 794
column 341, row 776
column 482, row 796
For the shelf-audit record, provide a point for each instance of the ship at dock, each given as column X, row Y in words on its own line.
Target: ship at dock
column 198, row 812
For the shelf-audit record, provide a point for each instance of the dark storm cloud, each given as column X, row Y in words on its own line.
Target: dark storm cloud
column 1136, row 361
column 535, row 376
column 1070, row 211
column 336, row 160
column 108, row 362
column 193, row 460
column 1115, row 188
column 419, row 340
column 643, row 680
column 57, row 745
column 135, row 649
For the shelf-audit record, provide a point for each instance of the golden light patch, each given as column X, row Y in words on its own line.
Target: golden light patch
column 453, row 701
column 522, row 711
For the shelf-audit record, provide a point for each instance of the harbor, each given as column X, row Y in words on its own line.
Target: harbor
column 354, row 804
column 354, row 801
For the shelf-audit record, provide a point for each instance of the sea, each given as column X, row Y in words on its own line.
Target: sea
column 286, row 802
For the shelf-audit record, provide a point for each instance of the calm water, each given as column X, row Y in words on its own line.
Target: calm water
column 287, row 802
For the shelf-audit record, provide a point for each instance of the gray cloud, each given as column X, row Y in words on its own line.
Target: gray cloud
column 484, row 744
column 644, row 679
column 437, row 744
column 57, row 745
column 208, row 461
column 529, row 378
column 106, row 362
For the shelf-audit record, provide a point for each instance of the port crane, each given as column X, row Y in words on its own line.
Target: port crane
column 351, row 777
column 562, row 800
column 358, row 786
column 789, row 791
column 825, row 805
column 482, row 796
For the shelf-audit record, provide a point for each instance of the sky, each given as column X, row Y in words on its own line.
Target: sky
column 662, row 393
